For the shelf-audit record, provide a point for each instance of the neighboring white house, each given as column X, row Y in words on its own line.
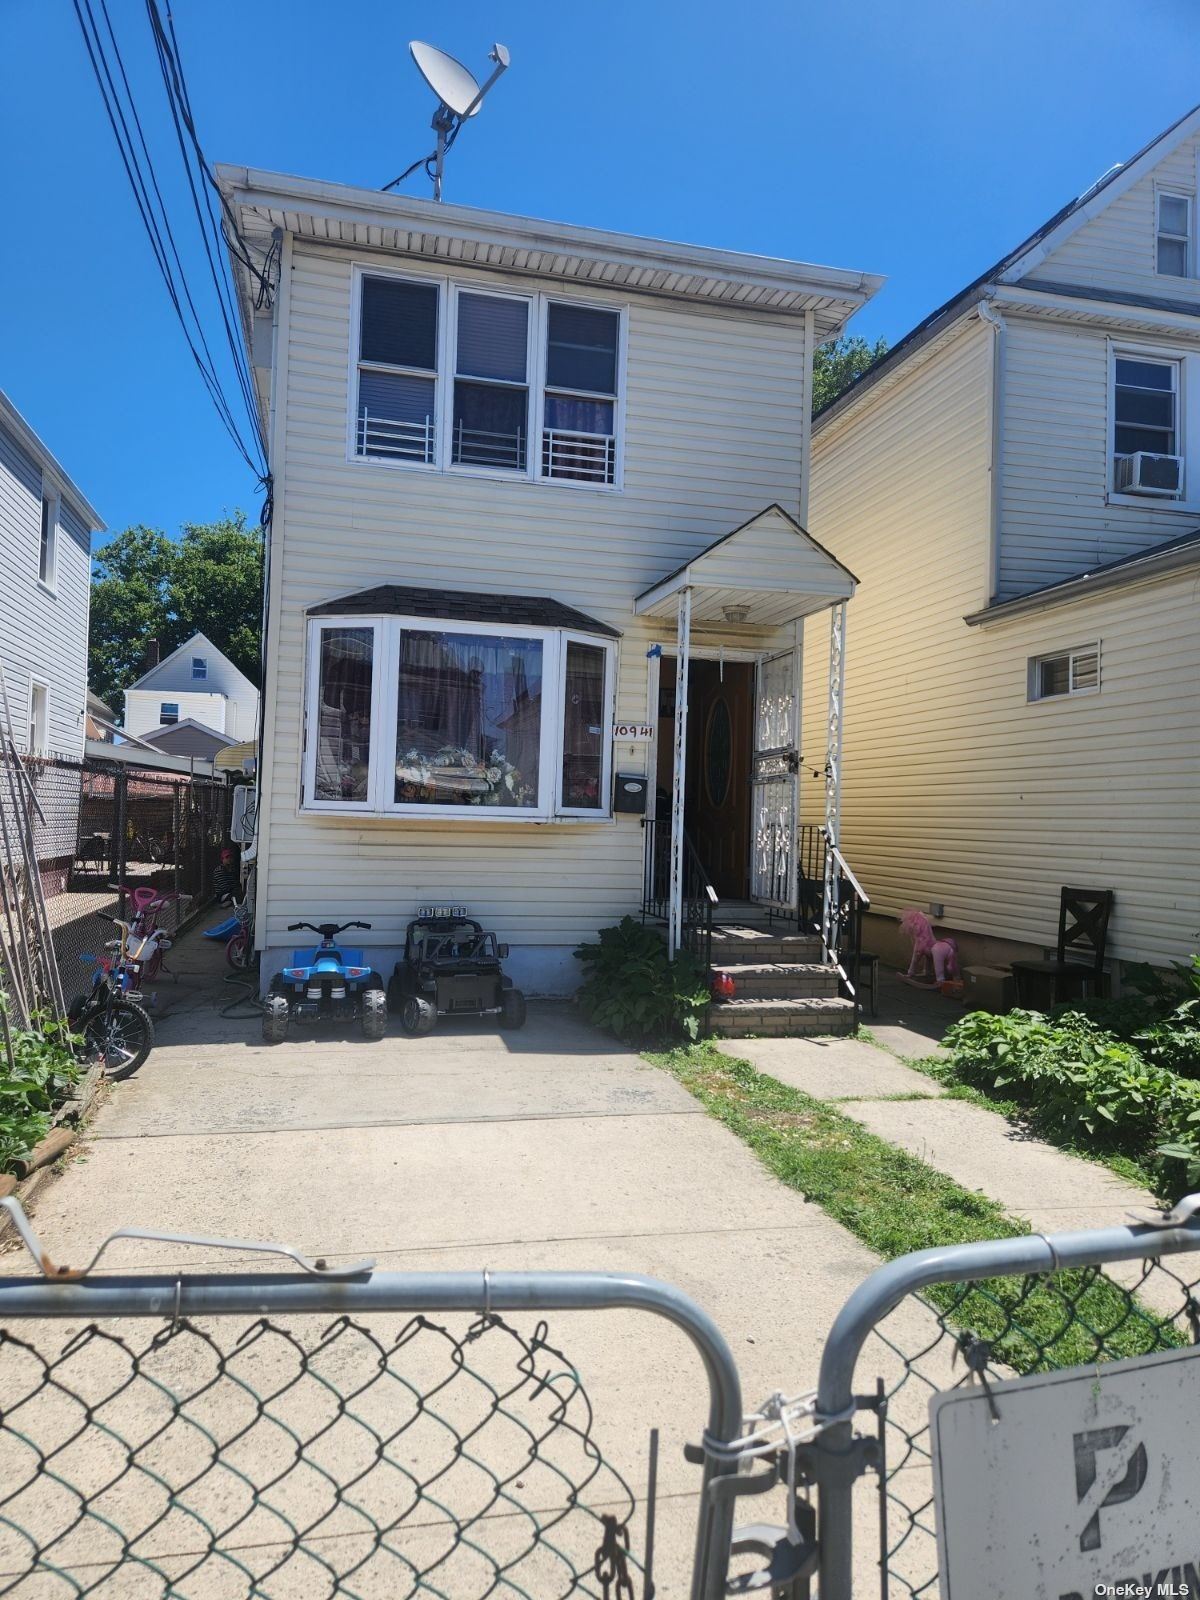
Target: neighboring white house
column 522, row 471
column 46, row 527
column 196, row 684
column 1017, row 487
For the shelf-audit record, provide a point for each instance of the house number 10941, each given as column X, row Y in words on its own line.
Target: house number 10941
column 632, row 732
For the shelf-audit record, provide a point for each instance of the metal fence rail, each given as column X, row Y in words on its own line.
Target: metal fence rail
column 976, row 1314
column 284, row 1436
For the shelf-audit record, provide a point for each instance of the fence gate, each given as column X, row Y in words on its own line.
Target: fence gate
column 1027, row 1431
column 327, row 1431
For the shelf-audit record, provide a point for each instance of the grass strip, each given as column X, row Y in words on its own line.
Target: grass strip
column 895, row 1204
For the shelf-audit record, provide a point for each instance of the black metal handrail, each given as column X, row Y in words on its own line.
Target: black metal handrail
column 700, row 899
column 843, row 946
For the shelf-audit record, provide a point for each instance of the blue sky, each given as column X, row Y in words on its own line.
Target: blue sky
column 917, row 139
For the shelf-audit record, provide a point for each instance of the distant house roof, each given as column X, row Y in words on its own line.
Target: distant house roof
column 1171, row 556
column 461, row 605
column 188, row 647
column 188, row 737
column 1027, row 255
column 97, row 707
column 33, row 447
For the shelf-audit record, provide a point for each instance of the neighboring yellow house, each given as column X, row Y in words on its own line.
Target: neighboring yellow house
column 1017, row 488
column 523, row 472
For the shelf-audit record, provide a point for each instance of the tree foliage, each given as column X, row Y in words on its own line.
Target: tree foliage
column 837, row 365
column 146, row 586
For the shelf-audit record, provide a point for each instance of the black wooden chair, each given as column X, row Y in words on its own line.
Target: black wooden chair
column 1078, row 966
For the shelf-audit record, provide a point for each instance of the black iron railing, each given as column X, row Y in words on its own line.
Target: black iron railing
column 700, row 899
column 841, row 937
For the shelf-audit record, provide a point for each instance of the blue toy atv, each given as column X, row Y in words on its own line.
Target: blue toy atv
column 329, row 982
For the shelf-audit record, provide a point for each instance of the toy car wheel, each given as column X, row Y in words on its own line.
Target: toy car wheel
column 275, row 1018
column 514, row 1009
column 416, row 1015
column 374, row 1013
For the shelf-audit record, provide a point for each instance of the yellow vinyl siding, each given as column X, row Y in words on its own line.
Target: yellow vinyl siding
column 955, row 788
column 713, row 430
column 1117, row 249
column 1056, row 517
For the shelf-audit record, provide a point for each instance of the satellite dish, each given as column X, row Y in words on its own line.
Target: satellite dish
column 448, row 78
column 459, row 97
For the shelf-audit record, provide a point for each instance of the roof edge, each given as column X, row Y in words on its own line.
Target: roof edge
column 48, row 462
column 1160, row 561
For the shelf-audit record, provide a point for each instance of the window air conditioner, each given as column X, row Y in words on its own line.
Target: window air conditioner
column 1144, row 473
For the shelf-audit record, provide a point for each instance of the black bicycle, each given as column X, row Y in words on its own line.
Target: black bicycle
column 114, row 1026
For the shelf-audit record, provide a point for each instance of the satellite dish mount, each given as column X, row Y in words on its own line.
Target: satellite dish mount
column 459, row 97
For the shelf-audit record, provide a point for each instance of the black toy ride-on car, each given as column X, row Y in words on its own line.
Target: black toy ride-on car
column 451, row 968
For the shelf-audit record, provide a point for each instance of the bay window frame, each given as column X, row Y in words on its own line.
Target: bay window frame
column 449, row 287
column 380, row 802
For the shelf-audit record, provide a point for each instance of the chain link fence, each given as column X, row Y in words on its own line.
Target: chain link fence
column 98, row 824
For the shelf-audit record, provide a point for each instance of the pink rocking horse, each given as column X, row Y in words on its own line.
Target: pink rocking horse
column 934, row 961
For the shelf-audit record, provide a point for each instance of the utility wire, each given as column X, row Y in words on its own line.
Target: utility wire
column 121, row 109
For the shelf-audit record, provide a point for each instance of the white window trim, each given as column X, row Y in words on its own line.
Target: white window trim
column 51, row 497
column 1035, row 663
column 385, row 645
column 162, row 706
column 36, row 749
column 449, row 288
column 471, row 469
column 1189, row 241
column 1187, row 425
column 202, row 675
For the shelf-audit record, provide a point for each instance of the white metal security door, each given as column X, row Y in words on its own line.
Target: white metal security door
column 774, row 783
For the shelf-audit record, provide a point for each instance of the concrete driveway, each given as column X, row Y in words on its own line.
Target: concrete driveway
column 549, row 1148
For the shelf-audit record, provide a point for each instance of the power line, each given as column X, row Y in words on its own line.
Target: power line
column 121, row 109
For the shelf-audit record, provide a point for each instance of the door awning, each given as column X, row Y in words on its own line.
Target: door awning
column 768, row 572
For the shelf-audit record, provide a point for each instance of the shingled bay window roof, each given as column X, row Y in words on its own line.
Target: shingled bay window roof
column 460, row 605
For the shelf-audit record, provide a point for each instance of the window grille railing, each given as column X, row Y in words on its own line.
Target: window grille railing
column 483, row 447
column 590, row 457
column 387, row 436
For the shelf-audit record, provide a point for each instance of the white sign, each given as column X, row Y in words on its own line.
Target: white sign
column 632, row 732
column 1082, row 1483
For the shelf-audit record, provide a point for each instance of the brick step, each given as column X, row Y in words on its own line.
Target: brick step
column 738, row 1019
column 780, row 980
column 733, row 942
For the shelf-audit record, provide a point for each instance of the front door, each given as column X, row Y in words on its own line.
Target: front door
column 775, row 783
column 717, row 810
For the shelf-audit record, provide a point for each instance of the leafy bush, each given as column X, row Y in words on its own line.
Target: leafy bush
column 43, row 1071
column 1160, row 1014
column 632, row 989
column 1075, row 1075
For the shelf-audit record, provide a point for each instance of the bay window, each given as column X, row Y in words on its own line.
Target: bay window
column 521, row 385
column 431, row 717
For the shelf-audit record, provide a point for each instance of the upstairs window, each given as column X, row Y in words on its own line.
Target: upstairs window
column 491, row 383
column 199, row 667
column 1146, row 426
column 48, row 540
column 168, row 712
column 458, row 378
column 1068, row 672
column 579, row 440
column 1174, row 234
column 397, row 370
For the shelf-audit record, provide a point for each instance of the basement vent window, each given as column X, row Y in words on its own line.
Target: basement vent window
column 1068, row 672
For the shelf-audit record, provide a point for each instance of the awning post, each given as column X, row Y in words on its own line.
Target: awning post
column 833, row 773
column 683, row 646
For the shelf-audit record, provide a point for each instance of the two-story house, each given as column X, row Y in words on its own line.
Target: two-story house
column 533, row 484
column 193, row 701
column 46, row 528
column 1017, row 486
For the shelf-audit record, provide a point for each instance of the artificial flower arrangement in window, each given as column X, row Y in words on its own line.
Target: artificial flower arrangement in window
column 423, row 778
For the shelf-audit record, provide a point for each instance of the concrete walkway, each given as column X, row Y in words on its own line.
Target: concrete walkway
column 548, row 1148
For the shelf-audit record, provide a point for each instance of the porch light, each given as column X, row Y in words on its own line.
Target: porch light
column 736, row 613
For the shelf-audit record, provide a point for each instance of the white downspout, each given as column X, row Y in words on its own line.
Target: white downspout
column 989, row 314
column 806, row 394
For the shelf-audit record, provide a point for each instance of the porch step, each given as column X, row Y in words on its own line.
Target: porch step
column 738, row 1019
column 780, row 980
column 734, row 941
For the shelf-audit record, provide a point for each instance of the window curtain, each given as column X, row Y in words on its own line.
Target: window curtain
column 468, row 724
column 343, row 754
